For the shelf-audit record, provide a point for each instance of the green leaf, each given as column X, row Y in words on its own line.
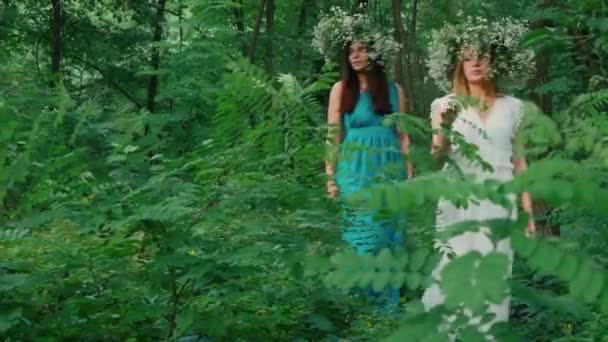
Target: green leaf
column 458, row 275
column 579, row 285
column 377, row 198
column 491, row 276
column 604, row 302
column 316, row 264
column 522, row 245
column 566, row 270
column 541, row 300
column 384, row 260
column 401, row 260
column 397, row 279
column 418, row 259
column 476, row 302
column 130, row 149
column 297, row 270
column 117, row 158
column 431, row 263
column 393, row 199
column 418, row 327
column 185, row 320
column 9, row 318
column 8, row 282
column 594, row 287
column 367, row 274
column 413, row 280
column 381, row 280
column 347, row 280
column 502, row 332
column 345, row 259
column 471, row 334
column 548, row 258
column 321, row 322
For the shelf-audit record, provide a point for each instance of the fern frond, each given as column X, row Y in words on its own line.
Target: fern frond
column 8, row 235
column 592, row 103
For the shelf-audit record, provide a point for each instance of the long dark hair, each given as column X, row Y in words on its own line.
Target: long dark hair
column 377, row 86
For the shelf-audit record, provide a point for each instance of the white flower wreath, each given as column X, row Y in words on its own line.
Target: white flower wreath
column 499, row 40
column 336, row 29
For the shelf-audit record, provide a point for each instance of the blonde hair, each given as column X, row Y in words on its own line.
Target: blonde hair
column 460, row 85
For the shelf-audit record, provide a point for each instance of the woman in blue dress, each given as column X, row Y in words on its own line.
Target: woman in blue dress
column 370, row 153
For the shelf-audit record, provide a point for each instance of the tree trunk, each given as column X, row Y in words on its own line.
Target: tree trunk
column 269, row 34
column 56, row 23
column 412, row 56
column 256, row 30
column 400, row 36
column 155, row 58
column 239, row 16
column 303, row 16
column 540, row 208
column 305, row 7
column 585, row 51
column 540, row 78
column 239, row 22
column 542, row 64
column 423, row 105
column 181, row 25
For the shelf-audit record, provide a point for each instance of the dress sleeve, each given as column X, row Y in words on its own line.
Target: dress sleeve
column 435, row 111
column 518, row 114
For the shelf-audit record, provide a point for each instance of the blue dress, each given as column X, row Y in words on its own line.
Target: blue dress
column 370, row 154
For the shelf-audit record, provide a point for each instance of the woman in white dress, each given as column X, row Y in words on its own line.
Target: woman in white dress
column 491, row 126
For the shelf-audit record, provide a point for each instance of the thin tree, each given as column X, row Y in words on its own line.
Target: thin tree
column 306, row 7
column 414, row 61
column 270, row 6
column 56, row 23
column 402, row 57
column 256, row 30
column 153, row 83
column 239, row 22
column 541, row 75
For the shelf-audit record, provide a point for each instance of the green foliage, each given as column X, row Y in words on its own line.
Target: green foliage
column 587, row 281
column 206, row 218
column 349, row 270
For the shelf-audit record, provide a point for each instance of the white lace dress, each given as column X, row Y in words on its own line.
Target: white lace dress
column 495, row 148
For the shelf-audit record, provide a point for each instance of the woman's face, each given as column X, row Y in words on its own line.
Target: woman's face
column 358, row 57
column 476, row 68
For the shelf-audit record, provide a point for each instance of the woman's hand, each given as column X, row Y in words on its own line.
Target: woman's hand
column 410, row 170
column 332, row 189
column 531, row 228
column 520, row 164
column 447, row 111
column 334, row 135
column 404, row 139
column 442, row 118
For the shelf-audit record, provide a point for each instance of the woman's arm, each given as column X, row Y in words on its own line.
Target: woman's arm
column 520, row 164
column 439, row 143
column 334, row 137
column 404, row 139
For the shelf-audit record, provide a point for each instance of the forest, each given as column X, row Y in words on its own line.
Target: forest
column 162, row 176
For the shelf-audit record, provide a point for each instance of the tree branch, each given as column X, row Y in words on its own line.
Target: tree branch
column 256, row 30
column 110, row 81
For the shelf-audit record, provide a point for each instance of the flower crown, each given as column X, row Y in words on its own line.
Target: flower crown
column 336, row 29
column 498, row 40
